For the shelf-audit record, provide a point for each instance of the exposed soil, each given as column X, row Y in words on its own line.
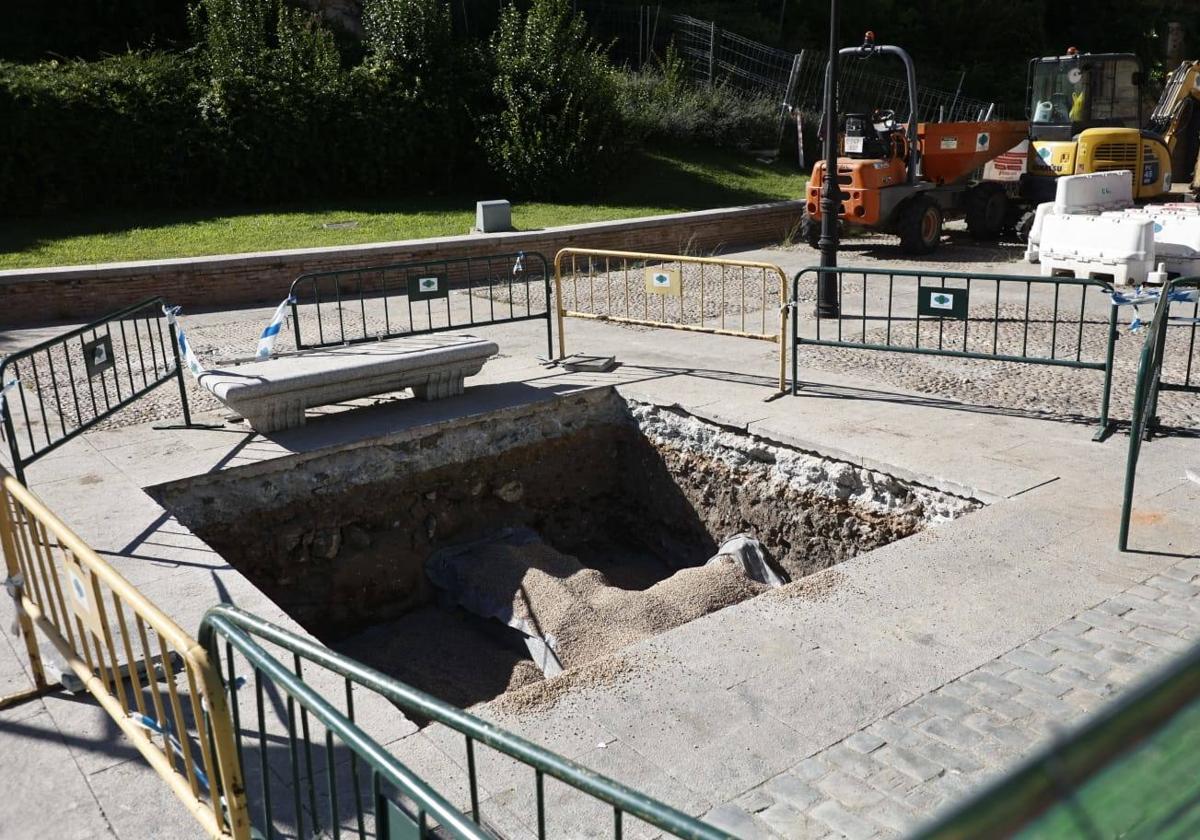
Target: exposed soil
column 624, row 513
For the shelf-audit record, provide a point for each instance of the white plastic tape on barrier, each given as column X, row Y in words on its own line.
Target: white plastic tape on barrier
column 266, row 341
column 1111, row 246
column 1093, row 193
column 185, row 349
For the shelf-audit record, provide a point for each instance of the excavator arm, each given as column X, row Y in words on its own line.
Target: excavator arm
column 1176, row 118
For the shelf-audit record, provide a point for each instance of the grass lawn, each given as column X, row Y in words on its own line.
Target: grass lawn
column 653, row 182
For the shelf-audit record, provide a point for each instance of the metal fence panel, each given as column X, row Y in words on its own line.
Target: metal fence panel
column 369, row 788
column 962, row 314
column 1150, row 382
column 638, row 36
column 352, row 306
column 60, row 388
column 714, row 295
column 156, row 683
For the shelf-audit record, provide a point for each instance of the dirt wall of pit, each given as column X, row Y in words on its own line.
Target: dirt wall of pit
column 339, row 539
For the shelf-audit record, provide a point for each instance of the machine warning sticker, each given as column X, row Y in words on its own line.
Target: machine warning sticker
column 854, row 145
column 982, row 139
column 949, row 142
column 942, row 303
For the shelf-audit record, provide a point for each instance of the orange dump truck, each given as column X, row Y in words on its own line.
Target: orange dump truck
column 907, row 178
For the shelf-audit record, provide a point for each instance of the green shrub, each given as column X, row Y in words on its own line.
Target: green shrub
column 554, row 119
column 660, row 104
column 124, row 130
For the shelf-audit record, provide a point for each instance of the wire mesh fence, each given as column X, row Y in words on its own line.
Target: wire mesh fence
column 637, row 36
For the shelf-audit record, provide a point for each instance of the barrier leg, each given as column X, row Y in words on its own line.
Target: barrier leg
column 1106, row 425
column 25, row 625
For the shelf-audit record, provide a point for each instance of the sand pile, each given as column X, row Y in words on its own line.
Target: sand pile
column 529, row 585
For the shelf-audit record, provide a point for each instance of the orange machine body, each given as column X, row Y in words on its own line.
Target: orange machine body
column 950, row 154
column 862, row 183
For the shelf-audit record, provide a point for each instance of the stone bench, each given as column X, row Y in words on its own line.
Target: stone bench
column 273, row 395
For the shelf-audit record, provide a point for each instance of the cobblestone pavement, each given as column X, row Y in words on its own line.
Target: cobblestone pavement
column 888, row 777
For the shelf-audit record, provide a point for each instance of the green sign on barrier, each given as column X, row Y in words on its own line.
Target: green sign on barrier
column 428, row 286
column 942, row 303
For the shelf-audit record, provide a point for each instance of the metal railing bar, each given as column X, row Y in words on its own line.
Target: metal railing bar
column 1054, row 325
column 308, row 759
column 263, row 759
column 941, row 322
column 109, row 646
column 1001, row 357
column 541, row 804
column 130, row 659
column 362, row 829
column 178, row 724
column 996, row 325
column 229, row 620
column 472, row 779
column 62, row 420
column 331, row 773
column 295, row 765
column 41, row 402
column 337, row 296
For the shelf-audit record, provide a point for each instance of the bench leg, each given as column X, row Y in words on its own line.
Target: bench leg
column 439, row 386
column 276, row 416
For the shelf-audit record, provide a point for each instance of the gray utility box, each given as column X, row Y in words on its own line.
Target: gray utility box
column 493, row 216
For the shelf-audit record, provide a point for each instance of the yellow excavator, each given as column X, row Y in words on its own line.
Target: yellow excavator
column 1085, row 116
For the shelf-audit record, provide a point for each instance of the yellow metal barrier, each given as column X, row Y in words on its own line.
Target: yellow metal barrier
column 674, row 291
column 79, row 602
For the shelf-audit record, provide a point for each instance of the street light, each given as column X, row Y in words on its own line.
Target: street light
column 828, row 305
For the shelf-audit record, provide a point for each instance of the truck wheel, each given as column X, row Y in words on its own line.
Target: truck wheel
column 987, row 207
column 810, row 230
column 1025, row 225
column 920, row 226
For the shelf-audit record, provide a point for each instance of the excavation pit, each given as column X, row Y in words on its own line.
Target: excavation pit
column 485, row 554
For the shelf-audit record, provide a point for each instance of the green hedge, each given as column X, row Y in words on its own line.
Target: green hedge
column 110, row 132
column 274, row 107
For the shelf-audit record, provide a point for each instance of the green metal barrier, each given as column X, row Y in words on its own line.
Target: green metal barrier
column 961, row 314
column 1149, row 383
column 1132, row 770
column 402, row 803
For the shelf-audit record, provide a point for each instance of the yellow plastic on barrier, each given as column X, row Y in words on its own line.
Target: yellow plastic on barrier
column 674, row 291
column 62, row 588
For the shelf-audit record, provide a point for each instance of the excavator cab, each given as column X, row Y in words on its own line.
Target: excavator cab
column 1085, row 116
column 1072, row 93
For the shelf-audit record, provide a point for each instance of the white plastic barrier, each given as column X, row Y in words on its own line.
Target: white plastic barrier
column 1074, row 194
column 1094, row 193
column 1177, row 242
column 1033, row 245
column 1111, row 246
column 1176, row 234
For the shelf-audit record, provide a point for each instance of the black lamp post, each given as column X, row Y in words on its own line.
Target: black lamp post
column 828, row 305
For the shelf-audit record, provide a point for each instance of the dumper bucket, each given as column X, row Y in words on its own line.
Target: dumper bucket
column 952, row 151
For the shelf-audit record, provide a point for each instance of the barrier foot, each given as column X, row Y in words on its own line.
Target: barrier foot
column 776, row 396
column 1104, row 432
column 166, row 427
column 19, row 697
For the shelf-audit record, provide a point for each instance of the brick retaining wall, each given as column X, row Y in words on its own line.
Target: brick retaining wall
column 82, row 292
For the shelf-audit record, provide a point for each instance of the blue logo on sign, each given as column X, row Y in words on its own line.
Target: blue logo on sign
column 1157, row 227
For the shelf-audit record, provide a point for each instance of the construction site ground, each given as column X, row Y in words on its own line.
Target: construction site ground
column 877, row 693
